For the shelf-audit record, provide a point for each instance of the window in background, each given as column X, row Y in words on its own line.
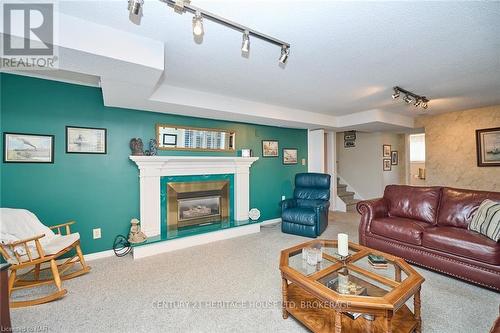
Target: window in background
column 417, row 147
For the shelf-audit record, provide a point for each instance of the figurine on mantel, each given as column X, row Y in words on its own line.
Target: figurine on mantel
column 136, row 235
column 153, row 147
column 137, row 147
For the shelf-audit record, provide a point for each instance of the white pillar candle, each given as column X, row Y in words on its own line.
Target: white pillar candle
column 343, row 244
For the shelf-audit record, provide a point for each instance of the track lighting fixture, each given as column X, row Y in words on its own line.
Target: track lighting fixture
column 245, row 45
column 134, row 7
column 285, row 52
column 182, row 6
column 197, row 24
column 411, row 97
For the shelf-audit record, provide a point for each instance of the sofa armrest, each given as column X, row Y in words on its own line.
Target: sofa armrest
column 369, row 210
column 288, row 203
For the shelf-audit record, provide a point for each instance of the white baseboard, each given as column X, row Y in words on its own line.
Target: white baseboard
column 98, row 255
column 185, row 242
column 271, row 221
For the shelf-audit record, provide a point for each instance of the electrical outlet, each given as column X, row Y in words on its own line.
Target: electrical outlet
column 283, row 197
column 303, row 161
column 96, row 233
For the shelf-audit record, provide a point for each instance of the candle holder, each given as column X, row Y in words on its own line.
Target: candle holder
column 344, row 259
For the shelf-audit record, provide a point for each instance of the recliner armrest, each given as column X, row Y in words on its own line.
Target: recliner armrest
column 288, row 203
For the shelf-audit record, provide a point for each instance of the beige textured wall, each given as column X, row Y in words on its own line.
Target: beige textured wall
column 451, row 149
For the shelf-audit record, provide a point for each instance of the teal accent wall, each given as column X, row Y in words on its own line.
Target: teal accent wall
column 103, row 190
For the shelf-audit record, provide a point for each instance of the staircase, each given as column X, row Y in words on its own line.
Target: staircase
column 346, row 196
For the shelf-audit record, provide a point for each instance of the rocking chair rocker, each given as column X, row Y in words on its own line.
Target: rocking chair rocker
column 27, row 245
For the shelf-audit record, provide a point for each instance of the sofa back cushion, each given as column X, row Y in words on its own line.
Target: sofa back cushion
column 413, row 202
column 458, row 206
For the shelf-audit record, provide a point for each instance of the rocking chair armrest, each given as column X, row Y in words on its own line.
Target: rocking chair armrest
column 59, row 226
column 21, row 241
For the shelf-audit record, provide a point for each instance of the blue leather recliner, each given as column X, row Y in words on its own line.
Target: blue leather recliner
column 307, row 213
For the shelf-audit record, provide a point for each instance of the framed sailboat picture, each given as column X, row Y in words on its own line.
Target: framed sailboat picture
column 488, row 147
column 85, row 140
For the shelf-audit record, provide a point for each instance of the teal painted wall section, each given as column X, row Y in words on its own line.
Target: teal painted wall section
column 103, row 190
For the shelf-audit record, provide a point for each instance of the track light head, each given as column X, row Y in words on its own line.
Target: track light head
column 198, row 24
column 417, row 103
column 407, row 99
column 135, row 6
column 424, row 105
column 245, row 44
column 396, row 94
column 285, row 52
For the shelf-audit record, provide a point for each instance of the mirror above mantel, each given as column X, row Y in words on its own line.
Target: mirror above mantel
column 173, row 137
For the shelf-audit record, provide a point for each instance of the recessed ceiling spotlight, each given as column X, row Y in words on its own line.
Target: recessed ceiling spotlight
column 285, row 52
column 134, row 6
column 245, row 44
column 198, row 24
column 407, row 99
column 396, row 94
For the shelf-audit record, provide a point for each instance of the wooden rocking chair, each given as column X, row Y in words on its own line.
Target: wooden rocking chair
column 28, row 245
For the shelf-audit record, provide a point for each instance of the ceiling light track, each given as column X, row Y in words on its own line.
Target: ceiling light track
column 182, row 6
column 410, row 97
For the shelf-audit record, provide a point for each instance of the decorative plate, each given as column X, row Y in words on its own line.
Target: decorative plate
column 254, row 214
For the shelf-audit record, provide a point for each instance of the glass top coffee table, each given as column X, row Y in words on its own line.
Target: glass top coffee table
column 349, row 294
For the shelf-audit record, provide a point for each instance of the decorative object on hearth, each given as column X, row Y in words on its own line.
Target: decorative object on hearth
column 410, row 98
column 290, row 156
column 270, row 148
column 387, row 164
column 245, row 152
column 137, row 147
column 153, row 147
column 254, row 214
column 136, row 235
column 488, row 147
column 28, row 148
column 394, row 157
column 349, row 139
column 121, row 246
column 85, row 140
column 386, row 150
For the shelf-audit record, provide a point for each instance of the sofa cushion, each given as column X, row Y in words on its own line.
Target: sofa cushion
column 462, row 242
column 458, row 206
column 417, row 203
column 300, row 215
column 401, row 229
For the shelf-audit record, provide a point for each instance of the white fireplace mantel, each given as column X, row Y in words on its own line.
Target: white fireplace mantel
column 151, row 168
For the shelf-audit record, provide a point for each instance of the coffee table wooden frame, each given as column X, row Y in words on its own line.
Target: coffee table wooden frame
column 391, row 313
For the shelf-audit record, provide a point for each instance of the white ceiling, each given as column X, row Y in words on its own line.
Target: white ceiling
column 345, row 56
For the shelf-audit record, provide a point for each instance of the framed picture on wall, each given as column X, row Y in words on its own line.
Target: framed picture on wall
column 170, row 139
column 269, row 148
column 386, row 150
column 394, row 157
column 488, row 147
column 387, row 164
column 28, row 148
column 85, row 140
column 290, row 155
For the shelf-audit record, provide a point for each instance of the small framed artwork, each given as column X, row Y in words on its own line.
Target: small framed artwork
column 86, row 140
column 488, row 147
column 269, row 148
column 28, row 148
column 387, row 164
column 170, row 139
column 386, row 150
column 349, row 144
column 394, row 157
column 290, row 155
column 350, row 135
column 246, row 152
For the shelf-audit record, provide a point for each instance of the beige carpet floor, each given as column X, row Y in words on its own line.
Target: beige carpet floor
column 227, row 286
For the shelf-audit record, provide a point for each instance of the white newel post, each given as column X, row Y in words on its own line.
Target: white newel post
column 152, row 168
